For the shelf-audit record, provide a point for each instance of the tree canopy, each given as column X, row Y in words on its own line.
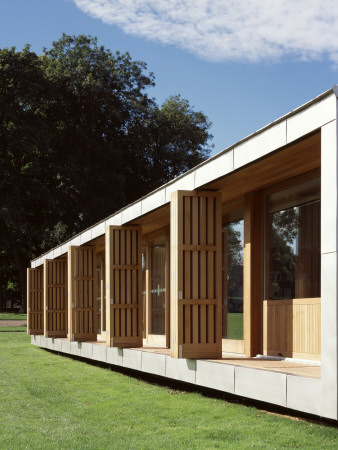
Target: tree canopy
column 76, row 126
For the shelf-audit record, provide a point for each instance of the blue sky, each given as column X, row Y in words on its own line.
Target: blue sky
column 244, row 63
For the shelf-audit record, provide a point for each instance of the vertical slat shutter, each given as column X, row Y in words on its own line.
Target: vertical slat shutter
column 55, row 298
column 124, row 286
column 82, row 308
column 196, row 275
column 35, row 301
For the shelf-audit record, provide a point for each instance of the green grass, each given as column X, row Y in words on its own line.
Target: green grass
column 13, row 316
column 11, row 329
column 235, row 325
column 49, row 401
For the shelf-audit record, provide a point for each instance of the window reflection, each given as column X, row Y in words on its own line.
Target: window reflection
column 157, row 286
column 293, row 242
column 232, row 308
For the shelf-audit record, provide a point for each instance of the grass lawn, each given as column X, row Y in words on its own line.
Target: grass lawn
column 13, row 316
column 49, row 401
column 235, row 325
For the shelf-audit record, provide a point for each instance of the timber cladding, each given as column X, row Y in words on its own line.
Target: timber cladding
column 124, row 286
column 82, row 306
column 55, row 298
column 196, row 274
column 35, row 301
column 292, row 328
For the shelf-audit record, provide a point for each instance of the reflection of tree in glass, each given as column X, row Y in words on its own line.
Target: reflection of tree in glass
column 284, row 230
column 235, row 260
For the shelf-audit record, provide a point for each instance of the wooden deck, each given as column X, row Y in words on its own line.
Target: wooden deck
column 288, row 367
column 307, row 370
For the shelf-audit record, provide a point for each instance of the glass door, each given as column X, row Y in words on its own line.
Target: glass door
column 232, row 280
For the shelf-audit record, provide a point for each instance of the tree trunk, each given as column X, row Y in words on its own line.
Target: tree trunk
column 1, row 302
column 21, row 266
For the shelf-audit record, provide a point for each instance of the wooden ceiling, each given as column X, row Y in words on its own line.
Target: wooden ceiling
column 285, row 163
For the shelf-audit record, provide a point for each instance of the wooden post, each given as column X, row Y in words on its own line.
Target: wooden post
column 82, row 305
column 124, row 286
column 196, row 275
column 35, row 301
column 253, row 274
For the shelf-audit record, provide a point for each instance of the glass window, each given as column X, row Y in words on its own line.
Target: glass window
column 293, row 242
column 144, row 285
column 157, row 286
column 99, row 298
column 233, row 245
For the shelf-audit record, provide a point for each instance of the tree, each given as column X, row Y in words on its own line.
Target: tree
column 76, row 125
column 172, row 139
column 24, row 145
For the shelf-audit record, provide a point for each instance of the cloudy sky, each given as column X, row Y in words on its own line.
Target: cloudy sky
column 244, row 63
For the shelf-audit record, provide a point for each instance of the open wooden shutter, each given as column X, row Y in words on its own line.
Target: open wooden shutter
column 196, row 275
column 55, row 298
column 35, row 301
column 124, row 286
column 82, row 306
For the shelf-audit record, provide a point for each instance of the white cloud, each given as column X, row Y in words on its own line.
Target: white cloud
column 220, row 30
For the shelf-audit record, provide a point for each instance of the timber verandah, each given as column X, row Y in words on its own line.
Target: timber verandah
column 227, row 262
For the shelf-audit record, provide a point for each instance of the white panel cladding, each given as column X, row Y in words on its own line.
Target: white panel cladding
column 131, row 212
column 50, row 344
column 115, row 220
column 98, row 230
column 260, row 145
column 329, row 376
column 153, row 201
column 100, row 352
column 261, row 385
column 303, row 394
column 65, row 346
column 329, row 187
column 64, row 247
column 86, row 350
column 57, row 345
column 76, row 241
column 181, row 369
column 132, row 359
column 184, row 183
column 115, row 356
column 75, row 348
column 154, row 363
column 86, row 236
column 222, row 378
column 311, row 118
column 329, row 272
column 57, row 252
column 215, row 168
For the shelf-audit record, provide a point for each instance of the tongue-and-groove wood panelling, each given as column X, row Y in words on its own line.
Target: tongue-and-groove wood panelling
column 35, row 301
column 124, row 286
column 82, row 306
column 196, row 275
column 55, row 298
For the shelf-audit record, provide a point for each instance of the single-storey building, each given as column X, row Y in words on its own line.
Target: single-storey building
column 225, row 277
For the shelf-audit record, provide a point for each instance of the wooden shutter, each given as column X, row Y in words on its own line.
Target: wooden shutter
column 196, row 275
column 124, row 286
column 35, row 301
column 55, row 298
column 82, row 318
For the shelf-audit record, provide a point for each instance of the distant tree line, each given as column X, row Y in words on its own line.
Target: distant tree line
column 80, row 138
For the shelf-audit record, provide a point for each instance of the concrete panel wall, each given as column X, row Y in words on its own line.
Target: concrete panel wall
column 295, row 392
